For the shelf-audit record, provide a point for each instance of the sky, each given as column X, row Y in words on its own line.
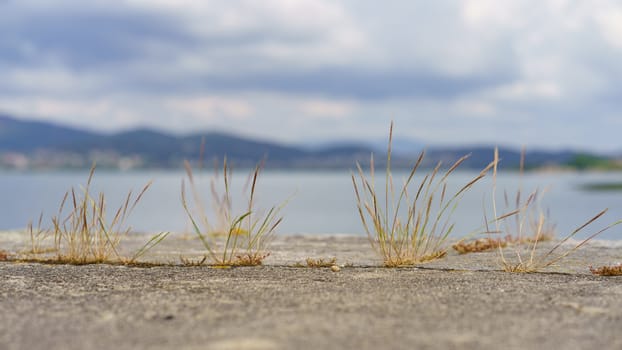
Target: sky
column 544, row 74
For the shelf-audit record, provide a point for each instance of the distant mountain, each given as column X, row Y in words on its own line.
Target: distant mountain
column 52, row 145
column 167, row 150
column 510, row 158
column 25, row 136
column 33, row 144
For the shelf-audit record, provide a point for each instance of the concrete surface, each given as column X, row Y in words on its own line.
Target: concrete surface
column 460, row 302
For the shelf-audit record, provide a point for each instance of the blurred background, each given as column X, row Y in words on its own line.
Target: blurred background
column 311, row 86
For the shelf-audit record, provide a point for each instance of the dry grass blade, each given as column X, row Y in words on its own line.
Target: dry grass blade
column 38, row 238
column 151, row 243
column 549, row 259
column 190, row 262
column 195, row 226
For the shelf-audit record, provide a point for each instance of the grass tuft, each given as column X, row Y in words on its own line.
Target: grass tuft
column 236, row 240
column 489, row 243
column 190, row 262
column 319, row 262
column 83, row 233
column 250, row 259
column 527, row 216
column 481, row 245
column 406, row 230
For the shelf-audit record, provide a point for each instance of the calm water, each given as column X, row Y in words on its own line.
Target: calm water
column 319, row 202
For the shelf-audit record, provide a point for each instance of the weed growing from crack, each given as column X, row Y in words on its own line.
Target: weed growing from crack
column 529, row 259
column 246, row 236
column 82, row 232
column 318, row 262
column 419, row 235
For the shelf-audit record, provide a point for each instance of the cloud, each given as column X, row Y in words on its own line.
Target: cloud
column 212, row 107
column 83, row 37
column 52, row 81
column 327, row 108
column 467, row 70
column 310, row 47
column 363, row 84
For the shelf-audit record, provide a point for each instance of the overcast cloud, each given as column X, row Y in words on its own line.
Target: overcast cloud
column 540, row 73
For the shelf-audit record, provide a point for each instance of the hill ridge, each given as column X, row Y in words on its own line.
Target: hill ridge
column 39, row 144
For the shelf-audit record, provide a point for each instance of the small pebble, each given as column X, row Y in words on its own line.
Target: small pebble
column 335, row 268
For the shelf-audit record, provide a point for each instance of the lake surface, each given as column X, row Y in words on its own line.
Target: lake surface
column 319, row 202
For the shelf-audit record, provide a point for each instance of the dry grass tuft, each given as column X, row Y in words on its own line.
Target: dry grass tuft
column 615, row 270
column 402, row 262
column 480, row 245
column 250, row 259
column 403, row 229
column 528, row 222
column 526, row 215
column 189, row 262
column 319, row 262
column 234, row 239
column 489, row 243
column 82, row 233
